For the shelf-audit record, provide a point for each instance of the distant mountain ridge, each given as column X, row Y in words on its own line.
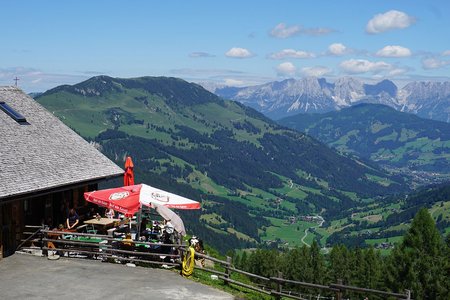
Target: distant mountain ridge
column 394, row 139
column 280, row 99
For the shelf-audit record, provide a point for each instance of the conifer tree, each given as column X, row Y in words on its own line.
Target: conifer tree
column 295, row 264
column 419, row 262
column 317, row 264
column 370, row 275
column 339, row 264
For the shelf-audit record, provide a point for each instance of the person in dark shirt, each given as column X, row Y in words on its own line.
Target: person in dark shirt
column 72, row 219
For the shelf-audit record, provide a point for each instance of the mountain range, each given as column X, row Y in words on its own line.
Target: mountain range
column 250, row 173
column 315, row 95
column 401, row 142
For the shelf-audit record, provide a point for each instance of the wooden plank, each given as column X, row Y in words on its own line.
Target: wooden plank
column 364, row 290
column 249, row 274
column 211, row 271
column 307, row 284
column 273, row 292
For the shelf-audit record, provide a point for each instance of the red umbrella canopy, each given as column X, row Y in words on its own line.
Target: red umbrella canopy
column 127, row 199
column 128, row 178
column 123, row 199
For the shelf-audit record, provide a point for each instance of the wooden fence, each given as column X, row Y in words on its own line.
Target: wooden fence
column 51, row 242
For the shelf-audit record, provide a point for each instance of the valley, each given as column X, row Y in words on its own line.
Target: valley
column 254, row 178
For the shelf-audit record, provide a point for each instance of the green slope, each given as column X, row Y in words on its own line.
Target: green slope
column 187, row 140
column 400, row 142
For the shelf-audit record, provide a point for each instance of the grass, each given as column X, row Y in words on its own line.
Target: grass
column 204, row 277
column 286, row 232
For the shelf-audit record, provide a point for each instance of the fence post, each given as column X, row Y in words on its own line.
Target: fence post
column 279, row 285
column 339, row 293
column 41, row 242
column 181, row 252
column 227, row 269
column 408, row 294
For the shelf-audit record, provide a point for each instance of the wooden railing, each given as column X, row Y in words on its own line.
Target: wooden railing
column 275, row 286
column 30, row 234
column 54, row 243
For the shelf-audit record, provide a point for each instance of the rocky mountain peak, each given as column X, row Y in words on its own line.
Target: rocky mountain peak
column 312, row 94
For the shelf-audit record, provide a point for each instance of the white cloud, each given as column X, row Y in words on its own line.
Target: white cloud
column 286, row 69
column 393, row 51
column 338, row 49
column 446, row 53
column 190, row 72
column 283, row 31
column 390, row 20
column 358, row 66
column 398, row 71
column 291, row 53
column 200, row 54
column 434, row 63
column 236, row 52
column 233, row 82
column 317, row 71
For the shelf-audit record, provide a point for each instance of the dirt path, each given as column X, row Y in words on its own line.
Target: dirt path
column 322, row 220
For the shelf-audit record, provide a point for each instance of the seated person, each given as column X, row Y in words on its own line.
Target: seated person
column 110, row 213
column 91, row 213
column 144, row 224
column 128, row 240
column 127, row 243
column 72, row 219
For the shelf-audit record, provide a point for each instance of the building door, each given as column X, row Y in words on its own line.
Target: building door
column 9, row 227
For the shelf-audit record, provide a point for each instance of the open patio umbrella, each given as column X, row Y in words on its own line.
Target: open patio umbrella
column 122, row 199
column 128, row 178
column 127, row 199
column 149, row 194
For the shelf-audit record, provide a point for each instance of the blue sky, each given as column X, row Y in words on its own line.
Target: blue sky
column 53, row 42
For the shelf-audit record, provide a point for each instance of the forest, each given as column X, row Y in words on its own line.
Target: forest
column 420, row 263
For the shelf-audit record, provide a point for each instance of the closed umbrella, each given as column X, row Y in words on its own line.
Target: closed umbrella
column 171, row 216
column 128, row 178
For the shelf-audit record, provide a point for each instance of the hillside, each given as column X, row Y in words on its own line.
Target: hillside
column 289, row 97
column 250, row 173
column 401, row 142
column 382, row 224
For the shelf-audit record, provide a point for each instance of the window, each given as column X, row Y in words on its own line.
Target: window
column 12, row 113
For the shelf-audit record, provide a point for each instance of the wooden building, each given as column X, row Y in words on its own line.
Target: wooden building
column 45, row 167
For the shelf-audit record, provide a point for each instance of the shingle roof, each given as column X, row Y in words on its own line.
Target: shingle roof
column 46, row 153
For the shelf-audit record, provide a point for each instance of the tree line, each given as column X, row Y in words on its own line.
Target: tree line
column 420, row 263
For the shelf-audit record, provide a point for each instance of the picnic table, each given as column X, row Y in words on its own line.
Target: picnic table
column 102, row 224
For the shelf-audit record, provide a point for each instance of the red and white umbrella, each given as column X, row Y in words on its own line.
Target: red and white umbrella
column 149, row 195
column 127, row 199
column 119, row 199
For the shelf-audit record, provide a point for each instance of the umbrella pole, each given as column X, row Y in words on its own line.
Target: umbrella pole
column 138, row 233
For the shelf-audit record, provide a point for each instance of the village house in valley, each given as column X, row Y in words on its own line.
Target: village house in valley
column 45, row 167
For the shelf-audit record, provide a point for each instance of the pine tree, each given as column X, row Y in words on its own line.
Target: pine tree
column 419, row 262
column 317, row 264
column 339, row 264
column 295, row 264
column 371, row 269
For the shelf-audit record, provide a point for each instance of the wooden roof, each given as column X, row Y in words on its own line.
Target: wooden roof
column 43, row 153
